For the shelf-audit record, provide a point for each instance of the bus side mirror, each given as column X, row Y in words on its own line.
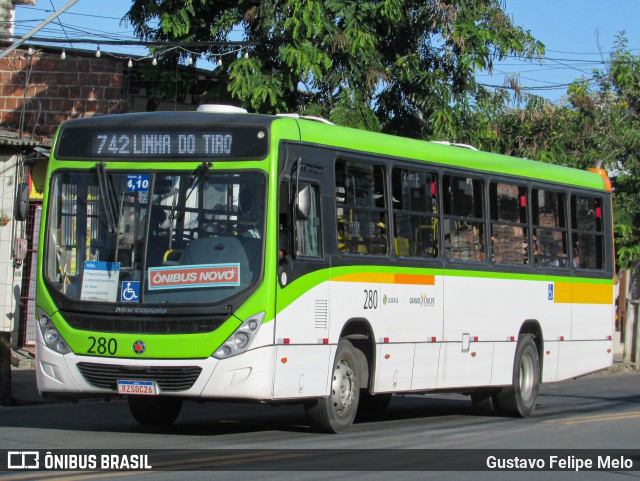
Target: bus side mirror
column 303, row 208
column 22, row 202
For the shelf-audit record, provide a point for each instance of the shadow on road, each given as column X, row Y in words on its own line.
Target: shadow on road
column 570, row 398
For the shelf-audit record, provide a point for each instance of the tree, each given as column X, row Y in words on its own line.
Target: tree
column 404, row 67
column 599, row 124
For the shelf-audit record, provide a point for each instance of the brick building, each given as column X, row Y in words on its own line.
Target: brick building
column 39, row 89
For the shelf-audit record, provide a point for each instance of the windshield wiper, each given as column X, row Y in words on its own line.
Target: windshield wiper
column 110, row 205
column 198, row 176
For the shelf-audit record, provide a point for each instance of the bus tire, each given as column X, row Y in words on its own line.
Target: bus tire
column 336, row 412
column 519, row 399
column 155, row 411
column 485, row 402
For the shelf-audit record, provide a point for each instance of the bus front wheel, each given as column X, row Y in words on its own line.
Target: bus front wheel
column 155, row 411
column 335, row 413
column 519, row 399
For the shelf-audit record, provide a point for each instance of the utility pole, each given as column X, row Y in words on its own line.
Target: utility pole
column 632, row 327
column 44, row 23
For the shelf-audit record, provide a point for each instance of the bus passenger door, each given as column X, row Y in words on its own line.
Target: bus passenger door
column 302, row 297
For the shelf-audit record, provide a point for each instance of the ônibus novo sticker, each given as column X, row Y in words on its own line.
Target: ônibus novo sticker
column 196, row 276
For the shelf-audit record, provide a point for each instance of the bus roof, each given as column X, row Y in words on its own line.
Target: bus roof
column 358, row 140
column 364, row 141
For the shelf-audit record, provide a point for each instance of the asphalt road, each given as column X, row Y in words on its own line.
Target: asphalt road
column 599, row 412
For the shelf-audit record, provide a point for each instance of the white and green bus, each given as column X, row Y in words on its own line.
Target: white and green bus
column 225, row 255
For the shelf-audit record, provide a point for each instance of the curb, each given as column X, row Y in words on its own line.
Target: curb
column 23, row 359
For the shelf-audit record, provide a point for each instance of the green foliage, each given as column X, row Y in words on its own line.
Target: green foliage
column 590, row 125
column 405, row 67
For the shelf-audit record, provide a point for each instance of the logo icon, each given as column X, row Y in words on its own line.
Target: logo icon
column 550, row 292
column 139, row 347
column 130, row 291
column 23, row 460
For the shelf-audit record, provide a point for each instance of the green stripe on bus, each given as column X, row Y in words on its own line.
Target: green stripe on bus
column 358, row 140
column 297, row 288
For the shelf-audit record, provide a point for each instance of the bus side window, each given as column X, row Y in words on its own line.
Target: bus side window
column 308, row 231
column 361, row 208
column 415, row 210
column 549, row 229
column 509, row 232
column 587, row 233
column 464, row 236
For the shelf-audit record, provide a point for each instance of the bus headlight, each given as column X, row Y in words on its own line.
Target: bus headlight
column 52, row 338
column 240, row 340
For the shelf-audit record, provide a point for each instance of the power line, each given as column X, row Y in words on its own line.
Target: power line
column 534, row 88
column 46, row 10
column 59, row 23
column 87, row 31
column 145, row 43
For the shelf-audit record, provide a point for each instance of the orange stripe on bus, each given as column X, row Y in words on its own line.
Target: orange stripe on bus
column 566, row 292
column 373, row 277
column 415, row 279
column 382, row 278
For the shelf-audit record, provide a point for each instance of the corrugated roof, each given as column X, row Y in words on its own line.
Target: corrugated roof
column 11, row 137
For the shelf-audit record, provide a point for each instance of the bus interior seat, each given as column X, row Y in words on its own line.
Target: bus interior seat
column 218, row 250
column 402, row 246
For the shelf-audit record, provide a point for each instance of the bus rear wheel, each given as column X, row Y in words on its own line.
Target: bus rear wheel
column 519, row 399
column 155, row 411
column 335, row 413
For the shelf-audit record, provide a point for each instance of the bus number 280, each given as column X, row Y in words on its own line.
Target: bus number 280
column 102, row 345
column 370, row 299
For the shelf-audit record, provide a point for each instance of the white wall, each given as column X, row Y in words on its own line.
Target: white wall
column 10, row 278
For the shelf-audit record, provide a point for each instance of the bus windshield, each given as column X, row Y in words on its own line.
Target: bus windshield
column 154, row 238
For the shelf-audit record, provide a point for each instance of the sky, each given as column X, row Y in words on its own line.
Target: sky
column 577, row 34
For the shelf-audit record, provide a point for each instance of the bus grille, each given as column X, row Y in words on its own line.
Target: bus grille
column 141, row 325
column 169, row 379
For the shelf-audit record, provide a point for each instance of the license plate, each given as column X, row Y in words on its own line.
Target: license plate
column 140, row 388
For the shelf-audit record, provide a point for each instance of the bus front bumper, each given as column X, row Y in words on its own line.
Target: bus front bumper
column 246, row 376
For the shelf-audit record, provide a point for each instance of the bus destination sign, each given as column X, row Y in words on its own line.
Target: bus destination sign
column 162, row 144
column 235, row 142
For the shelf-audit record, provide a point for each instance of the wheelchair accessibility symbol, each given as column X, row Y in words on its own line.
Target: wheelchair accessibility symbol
column 130, row 291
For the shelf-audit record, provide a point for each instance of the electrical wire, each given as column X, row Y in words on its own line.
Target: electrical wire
column 82, row 34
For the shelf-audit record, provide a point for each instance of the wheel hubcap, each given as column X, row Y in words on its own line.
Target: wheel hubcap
column 342, row 387
column 526, row 377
